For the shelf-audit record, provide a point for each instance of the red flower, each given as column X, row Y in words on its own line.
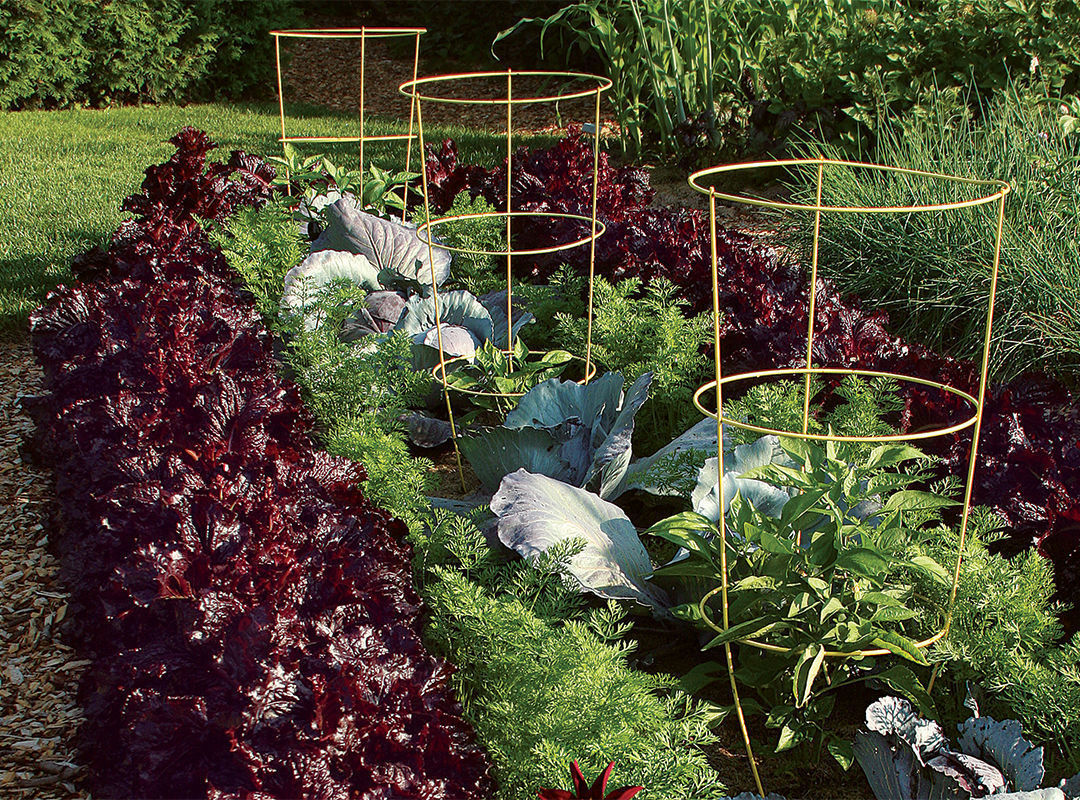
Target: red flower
column 582, row 790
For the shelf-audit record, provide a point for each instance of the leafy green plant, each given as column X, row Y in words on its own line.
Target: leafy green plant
column 462, row 326
column 359, row 399
column 1005, row 636
column 564, row 293
column 262, row 244
column 475, row 272
column 317, row 182
column 865, row 410
column 394, row 249
column 638, row 330
column 69, row 52
column 502, row 375
column 524, row 642
column 745, row 75
column 930, row 270
column 817, row 577
column 537, row 513
column 656, row 84
column 521, row 637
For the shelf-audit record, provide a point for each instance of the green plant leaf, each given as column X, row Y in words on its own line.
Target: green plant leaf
column 931, row 569
column 702, row 675
column 888, row 455
column 770, row 543
column 903, row 680
column 744, row 630
column 755, row 582
column 841, row 750
column 789, row 737
column 806, row 672
column 832, row 606
column 892, row 614
column 901, row 646
column 863, row 561
column 914, row 500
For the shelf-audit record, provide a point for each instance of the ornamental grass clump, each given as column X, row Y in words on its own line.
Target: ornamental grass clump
column 930, row 270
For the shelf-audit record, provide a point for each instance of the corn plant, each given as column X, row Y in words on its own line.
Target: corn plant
column 746, row 74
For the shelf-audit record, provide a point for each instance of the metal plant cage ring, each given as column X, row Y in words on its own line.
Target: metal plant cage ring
column 438, row 372
column 363, row 34
column 412, row 88
column 347, row 33
column 1001, row 187
column 420, row 92
column 427, row 226
column 983, row 193
column 932, row 433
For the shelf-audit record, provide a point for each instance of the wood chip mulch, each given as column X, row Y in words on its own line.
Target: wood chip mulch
column 39, row 673
column 326, row 72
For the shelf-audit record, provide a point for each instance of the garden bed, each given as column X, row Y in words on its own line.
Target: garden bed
column 545, row 674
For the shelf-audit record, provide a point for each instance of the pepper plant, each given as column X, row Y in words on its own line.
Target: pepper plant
column 504, row 377
column 318, row 182
column 826, row 578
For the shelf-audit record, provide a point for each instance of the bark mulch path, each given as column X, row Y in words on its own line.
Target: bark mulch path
column 326, row 72
column 39, row 674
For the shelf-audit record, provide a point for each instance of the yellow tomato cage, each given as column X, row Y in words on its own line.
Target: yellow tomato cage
column 421, row 90
column 363, row 34
column 989, row 192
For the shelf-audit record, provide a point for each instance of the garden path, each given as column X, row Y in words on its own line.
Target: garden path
column 39, row 715
column 326, row 72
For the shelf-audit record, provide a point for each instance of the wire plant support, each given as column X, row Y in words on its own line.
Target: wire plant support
column 422, row 90
column 363, row 34
column 988, row 192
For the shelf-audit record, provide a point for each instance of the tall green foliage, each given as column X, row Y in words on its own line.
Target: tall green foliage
column 741, row 74
column 932, row 269
column 832, row 572
column 545, row 680
column 261, row 244
column 638, row 330
column 63, row 52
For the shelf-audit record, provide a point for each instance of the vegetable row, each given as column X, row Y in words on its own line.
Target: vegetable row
column 249, row 615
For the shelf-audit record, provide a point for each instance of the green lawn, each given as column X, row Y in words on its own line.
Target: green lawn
column 63, row 175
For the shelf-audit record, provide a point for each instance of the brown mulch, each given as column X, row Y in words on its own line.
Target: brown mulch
column 326, row 72
column 39, row 673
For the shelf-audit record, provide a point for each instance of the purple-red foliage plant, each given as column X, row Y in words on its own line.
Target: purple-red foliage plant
column 1029, row 452
column 249, row 615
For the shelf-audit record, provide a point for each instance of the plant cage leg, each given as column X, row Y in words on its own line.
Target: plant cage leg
column 722, row 526
column 413, row 103
column 435, row 301
column 812, row 309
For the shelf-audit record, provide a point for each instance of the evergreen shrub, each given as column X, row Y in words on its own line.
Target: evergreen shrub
column 73, row 52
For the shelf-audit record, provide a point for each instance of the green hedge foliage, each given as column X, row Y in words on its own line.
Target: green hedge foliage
column 73, row 52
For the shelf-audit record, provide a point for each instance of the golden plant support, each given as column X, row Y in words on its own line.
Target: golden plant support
column 363, row 34
column 700, row 182
column 421, row 89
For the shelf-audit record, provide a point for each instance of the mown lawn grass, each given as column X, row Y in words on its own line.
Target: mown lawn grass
column 63, row 175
